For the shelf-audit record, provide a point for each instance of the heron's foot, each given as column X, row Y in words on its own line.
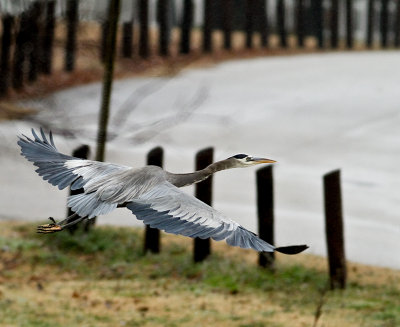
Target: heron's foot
column 49, row 228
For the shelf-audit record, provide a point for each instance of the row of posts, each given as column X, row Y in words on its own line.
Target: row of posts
column 34, row 34
column 265, row 206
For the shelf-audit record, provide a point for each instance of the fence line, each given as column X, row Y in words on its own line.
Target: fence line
column 23, row 36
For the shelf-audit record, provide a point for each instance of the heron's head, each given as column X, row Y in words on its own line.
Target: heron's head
column 245, row 160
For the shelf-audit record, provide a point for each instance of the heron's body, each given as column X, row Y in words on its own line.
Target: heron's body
column 150, row 192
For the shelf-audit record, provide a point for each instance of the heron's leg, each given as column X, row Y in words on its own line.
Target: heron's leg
column 57, row 227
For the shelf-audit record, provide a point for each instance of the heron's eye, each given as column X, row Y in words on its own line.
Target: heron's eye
column 248, row 158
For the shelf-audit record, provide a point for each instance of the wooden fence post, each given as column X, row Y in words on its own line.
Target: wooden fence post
column 208, row 25
column 81, row 152
column 280, row 12
column 265, row 210
column 202, row 247
column 397, row 26
column 249, row 22
column 144, row 28
column 7, row 22
column 186, row 27
column 48, row 38
column 127, row 39
column 349, row 24
column 163, row 15
column 300, row 23
column 152, row 235
column 264, row 28
column 384, row 24
column 227, row 17
column 72, row 24
column 334, row 230
column 334, row 23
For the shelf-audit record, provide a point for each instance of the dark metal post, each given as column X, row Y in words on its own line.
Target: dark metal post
column 72, row 22
column 249, row 11
column 81, row 152
column 334, row 230
column 127, row 39
column 300, row 23
column 163, row 14
column 227, row 17
column 264, row 28
column 152, row 235
column 34, row 28
column 207, row 28
column 186, row 27
column 20, row 53
column 144, row 28
column 334, row 23
column 48, row 38
column 384, row 24
column 6, row 39
column 265, row 207
column 318, row 10
column 280, row 9
column 349, row 24
column 202, row 247
column 397, row 25
column 370, row 23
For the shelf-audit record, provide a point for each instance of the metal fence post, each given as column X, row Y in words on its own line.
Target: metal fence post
column 281, row 12
column 349, row 24
column 72, row 23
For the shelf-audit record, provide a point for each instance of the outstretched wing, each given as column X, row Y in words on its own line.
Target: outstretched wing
column 166, row 207
column 62, row 170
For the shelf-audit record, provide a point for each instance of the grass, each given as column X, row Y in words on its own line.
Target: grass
column 103, row 279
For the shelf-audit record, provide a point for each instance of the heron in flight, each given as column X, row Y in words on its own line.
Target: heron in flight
column 151, row 193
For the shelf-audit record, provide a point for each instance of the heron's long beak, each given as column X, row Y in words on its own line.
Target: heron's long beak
column 262, row 160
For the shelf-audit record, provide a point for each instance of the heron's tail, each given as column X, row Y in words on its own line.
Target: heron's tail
column 292, row 249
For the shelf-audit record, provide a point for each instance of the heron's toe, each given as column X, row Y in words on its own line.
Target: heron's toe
column 48, row 228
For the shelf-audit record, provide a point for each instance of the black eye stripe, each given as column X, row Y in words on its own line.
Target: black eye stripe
column 240, row 156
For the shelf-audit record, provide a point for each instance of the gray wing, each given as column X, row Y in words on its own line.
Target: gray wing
column 166, row 207
column 62, row 170
column 59, row 169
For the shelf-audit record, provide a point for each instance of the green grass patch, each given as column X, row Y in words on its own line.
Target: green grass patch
column 102, row 275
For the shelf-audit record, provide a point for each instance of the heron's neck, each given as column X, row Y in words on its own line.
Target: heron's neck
column 181, row 180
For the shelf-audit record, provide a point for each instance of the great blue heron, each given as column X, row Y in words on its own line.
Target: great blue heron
column 151, row 193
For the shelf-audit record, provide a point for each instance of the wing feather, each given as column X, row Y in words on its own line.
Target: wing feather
column 168, row 208
column 59, row 169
